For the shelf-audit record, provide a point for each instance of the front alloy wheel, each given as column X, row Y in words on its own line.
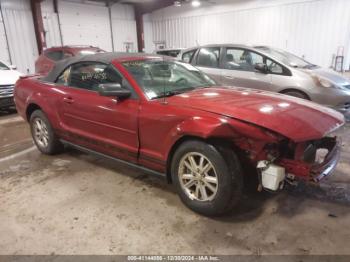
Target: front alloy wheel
column 207, row 178
column 198, row 177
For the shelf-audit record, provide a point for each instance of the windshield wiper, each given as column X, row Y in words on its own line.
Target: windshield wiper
column 174, row 92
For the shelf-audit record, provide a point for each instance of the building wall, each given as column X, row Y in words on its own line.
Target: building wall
column 124, row 27
column 313, row 29
column 89, row 24
column 4, row 52
column 18, row 20
column 148, row 33
column 75, row 24
column 86, row 24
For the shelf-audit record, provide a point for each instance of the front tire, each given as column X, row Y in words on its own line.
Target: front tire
column 207, row 179
column 43, row 135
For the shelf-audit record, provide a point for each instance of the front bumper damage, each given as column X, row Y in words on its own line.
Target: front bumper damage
column 321, row 170
column 311, row 170
column 315, row 171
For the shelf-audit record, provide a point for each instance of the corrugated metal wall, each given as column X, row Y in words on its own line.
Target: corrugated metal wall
column 148, row 33
column 124, row 27
column 310, row 28
column 4, row 52
column 89, row 24
column 18, row 21
column 85, row 24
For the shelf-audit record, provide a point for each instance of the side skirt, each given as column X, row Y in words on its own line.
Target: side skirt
column 93, row 152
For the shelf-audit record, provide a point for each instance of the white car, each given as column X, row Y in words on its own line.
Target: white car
column 8, row 77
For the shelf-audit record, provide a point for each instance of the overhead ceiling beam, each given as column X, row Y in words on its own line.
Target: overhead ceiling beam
column 148, row 7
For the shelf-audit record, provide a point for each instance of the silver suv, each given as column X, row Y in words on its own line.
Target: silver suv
column 271, row 69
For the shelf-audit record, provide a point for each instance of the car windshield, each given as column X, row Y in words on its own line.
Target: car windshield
column 287, row 58
column 161, row 78
column 4, row 67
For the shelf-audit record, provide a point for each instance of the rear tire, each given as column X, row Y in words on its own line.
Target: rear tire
column 43, row 135
column 296, row 93
column 207, row 179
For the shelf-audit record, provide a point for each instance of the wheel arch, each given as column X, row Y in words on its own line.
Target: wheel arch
column 31, row 108
column 292, row 89
column 217, row 142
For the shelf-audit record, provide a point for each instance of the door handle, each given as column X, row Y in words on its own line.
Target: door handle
column 68, row 100
column 229, row 77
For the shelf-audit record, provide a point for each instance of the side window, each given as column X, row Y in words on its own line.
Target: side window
column 64, row 78
column 55, row 55
column 187, row 57
column 209, row 57
column 241, row 59
column 274, row 68
column 89, row 76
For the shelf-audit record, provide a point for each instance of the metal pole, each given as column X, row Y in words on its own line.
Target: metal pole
column 111, row 23
column 55, row 7
column 7, row 40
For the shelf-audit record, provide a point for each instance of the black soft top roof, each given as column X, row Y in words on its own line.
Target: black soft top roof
column 105, row 58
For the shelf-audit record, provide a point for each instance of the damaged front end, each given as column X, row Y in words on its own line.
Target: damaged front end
column 309, row 161
column 313, row 160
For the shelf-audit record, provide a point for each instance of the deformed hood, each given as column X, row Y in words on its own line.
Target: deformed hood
column 297, row 119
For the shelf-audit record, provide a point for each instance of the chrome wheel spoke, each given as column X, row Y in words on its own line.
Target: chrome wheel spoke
column 196, row 192
column 193, row 163
column 187, row 176
column 190, row 183
column 203, row 192
column 211, row 187
column 206, row 168
column 201, row 162
column 210, row 179
column 188, row 165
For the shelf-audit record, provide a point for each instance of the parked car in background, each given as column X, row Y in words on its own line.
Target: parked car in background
column 173, row 52
column 271, row 69
column 168, row 118
column 52, row 55
column 8, row 77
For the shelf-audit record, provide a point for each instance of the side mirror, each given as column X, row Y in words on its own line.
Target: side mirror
column 13, row 67
column 262, row 68
column 113, row 89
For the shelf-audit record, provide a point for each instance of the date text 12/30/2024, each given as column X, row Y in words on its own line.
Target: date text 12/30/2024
column 173, row 258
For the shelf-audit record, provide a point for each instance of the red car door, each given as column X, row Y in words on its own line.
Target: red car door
column 100, row 123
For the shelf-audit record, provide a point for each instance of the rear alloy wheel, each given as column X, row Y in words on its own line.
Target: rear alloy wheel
column 42, row 132
column 208, row 180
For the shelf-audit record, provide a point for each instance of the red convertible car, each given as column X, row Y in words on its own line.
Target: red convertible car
column 168, row 118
